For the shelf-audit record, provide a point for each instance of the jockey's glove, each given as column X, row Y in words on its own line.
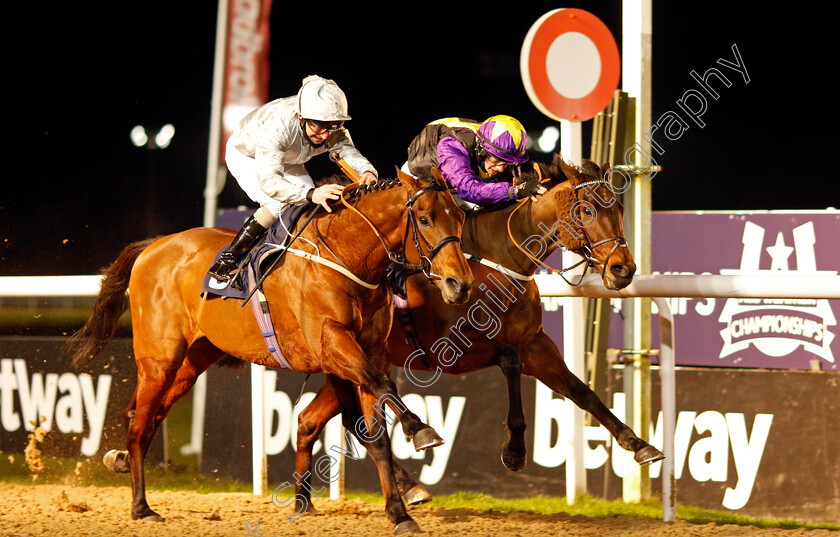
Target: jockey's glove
column 527, row 189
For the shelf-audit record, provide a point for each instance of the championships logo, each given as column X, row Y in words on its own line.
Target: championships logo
column 778, row 327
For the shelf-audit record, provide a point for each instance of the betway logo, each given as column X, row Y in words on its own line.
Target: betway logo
column 707, row 457
column 282, row 430
column 62, row 399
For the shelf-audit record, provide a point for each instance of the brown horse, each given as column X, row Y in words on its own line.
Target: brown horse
column 327, row 321
column 583, row 214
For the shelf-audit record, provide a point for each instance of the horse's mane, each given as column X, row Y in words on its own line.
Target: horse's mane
column 558, row 170
column 381, row 184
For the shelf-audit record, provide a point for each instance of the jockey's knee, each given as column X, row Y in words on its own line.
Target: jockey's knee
column 264, row 217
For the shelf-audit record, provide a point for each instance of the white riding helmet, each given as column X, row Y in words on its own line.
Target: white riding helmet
column 322, row 100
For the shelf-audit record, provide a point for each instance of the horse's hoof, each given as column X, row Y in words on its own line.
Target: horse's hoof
column 514, row 463
column 147, row 515
column 417, row 495
column 407, row 527
column 426, row 438
column 648, row 454
column 307, row 509
column 117, row 461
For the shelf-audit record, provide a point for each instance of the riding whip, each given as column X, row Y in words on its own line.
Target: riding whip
column 280, row 256
column 350, row 172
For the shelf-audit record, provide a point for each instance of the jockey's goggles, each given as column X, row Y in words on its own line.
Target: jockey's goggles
column 324, row 126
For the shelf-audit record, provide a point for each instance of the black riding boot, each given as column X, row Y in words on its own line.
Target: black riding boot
column 229, row 259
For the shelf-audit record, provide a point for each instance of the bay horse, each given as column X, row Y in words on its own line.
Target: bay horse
column 327, row 321
column 579, row 211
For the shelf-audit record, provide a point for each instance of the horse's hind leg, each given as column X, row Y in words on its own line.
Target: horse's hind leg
column 117, row 460
column 153, row 382
column 543, row 360
column 159, row 358
column 514, row 451
column 199, row 358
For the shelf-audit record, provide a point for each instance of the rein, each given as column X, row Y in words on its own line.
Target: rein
column 587, row 255
column 425, row 264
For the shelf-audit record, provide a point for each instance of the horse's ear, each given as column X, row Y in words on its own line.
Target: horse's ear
column 438, row 175
column 571, row 173
column 605, row 168
column 407, row 180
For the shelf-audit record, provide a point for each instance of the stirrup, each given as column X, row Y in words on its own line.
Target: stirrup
column 230, row 278
column 223, row 269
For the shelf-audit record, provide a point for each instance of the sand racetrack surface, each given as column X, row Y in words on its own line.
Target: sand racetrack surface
column 59, row 510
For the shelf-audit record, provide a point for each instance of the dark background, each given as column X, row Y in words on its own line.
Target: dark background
column 75, row 190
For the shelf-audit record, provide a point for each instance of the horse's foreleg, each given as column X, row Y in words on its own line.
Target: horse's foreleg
column 345, row 358
column 514, row 451
column 413, row 492
column 543, row 360
column 311, row 422
column 374, row 437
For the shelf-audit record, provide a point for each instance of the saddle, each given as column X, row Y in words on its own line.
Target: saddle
column 249, row 274
column 276, row 235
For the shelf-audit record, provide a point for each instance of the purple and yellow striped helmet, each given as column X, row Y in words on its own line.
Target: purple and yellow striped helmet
column 504, row 137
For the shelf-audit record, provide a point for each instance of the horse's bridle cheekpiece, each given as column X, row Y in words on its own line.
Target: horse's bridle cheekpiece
column 619, row 241
column 425, row 260
column 587, row 255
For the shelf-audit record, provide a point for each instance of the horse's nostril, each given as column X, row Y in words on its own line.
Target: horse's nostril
column 620, row 270
column 453, row 284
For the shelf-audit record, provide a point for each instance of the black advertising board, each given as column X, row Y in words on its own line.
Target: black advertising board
column 83, row 409
column 761, row 443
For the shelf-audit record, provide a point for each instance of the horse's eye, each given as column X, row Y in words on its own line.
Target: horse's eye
column 424, row 221
column 586, row 210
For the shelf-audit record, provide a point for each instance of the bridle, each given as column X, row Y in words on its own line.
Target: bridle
column 425, row 265
column 619, row 241
column 588, row 249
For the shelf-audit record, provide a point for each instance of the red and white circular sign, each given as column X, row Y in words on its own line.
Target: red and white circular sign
column 570, row 64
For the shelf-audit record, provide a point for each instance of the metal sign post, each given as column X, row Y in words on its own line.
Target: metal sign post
column 636, row 81
column 570, row 69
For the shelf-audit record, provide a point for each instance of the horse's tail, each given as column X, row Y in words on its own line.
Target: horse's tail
column 111, row 303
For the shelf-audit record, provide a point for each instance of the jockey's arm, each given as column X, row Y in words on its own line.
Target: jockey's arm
column 456, row 166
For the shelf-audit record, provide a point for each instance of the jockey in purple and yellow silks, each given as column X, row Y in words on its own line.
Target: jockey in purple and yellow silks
column 473, row 156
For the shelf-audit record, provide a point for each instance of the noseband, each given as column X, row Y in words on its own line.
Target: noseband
column 425, row 260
